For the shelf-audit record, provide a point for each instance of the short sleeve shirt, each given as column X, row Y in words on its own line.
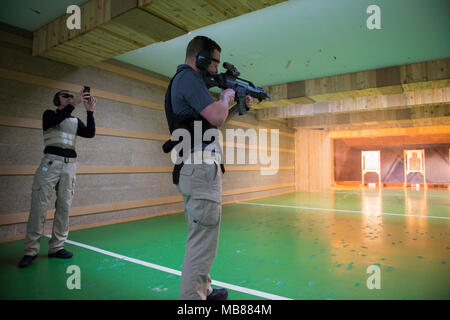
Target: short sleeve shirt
column 189, row 92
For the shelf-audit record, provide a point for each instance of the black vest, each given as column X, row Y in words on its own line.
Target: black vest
column 176, row 121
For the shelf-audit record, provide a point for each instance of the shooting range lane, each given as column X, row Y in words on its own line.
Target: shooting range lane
column 288, row 252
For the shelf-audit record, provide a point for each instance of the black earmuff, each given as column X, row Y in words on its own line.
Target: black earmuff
column 56, row 100
column 204, row 57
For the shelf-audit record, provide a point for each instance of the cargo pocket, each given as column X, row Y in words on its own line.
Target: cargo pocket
column 74, row 179
column 39, row 175
column 215, row 183
column 184, row 184
column 35, row 186
column 205, row 212
column 206, row 183
column 40, row 191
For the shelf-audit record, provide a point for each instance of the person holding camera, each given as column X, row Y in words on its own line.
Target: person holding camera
column 57, row 171
column 189, row 105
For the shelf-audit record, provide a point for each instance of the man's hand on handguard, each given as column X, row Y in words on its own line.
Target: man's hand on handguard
column 249, row 102
column 227, row 96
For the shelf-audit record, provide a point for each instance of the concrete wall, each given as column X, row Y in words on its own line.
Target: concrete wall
column 27, row 85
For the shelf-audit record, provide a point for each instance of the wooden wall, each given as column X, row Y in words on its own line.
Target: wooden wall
column 314, row 160
column 122, row 172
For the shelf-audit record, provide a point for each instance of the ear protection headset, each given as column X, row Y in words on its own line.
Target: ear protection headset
column 204, row 56
column 56, row 100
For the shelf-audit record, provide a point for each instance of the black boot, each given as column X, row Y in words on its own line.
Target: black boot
column 26, row 261
column 218, row 294
column 63, row 254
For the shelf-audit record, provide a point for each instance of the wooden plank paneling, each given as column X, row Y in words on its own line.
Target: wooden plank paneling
column 103, row 34
column 30, row 170
column 313, row 157
column 119, row 7
column 190, row 15
column 131, row 74
column 142, row 28
column 251, row 126
column 93, row 13
column 22, row 217
column 113, row 27
column 417, row 98
column 16, row 39
column 60, row 85
column 415, row 131
column 431, row 114
column 25, row 170
column 141, row 217
column 429, row 139
column 385, row 81
column 37, row 124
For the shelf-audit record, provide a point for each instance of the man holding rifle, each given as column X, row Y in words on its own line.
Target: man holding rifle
column 188, row 101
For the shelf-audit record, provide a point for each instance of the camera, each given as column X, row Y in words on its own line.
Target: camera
column 87, row 90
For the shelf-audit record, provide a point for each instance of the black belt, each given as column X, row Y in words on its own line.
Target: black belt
column 177, row 169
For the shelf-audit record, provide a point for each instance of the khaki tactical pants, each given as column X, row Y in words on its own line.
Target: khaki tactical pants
column 201, row 188
column 52, row 173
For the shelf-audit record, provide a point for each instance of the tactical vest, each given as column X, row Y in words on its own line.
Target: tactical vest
column 176, row 121
column 63, row 135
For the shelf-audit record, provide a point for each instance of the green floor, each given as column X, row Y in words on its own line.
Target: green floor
column 305, row 245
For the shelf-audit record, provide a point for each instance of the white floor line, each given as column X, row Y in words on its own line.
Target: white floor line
column 176, row 272
column 385, row 194
column 337, row 210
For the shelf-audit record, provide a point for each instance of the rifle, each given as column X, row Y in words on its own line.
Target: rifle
column 229, row 80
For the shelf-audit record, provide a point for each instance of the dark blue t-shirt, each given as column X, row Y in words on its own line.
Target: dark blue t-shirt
column 189, row 92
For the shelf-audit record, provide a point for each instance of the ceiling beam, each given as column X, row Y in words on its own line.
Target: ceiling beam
column 385, row 81
column 384, row 132
column 375, row 102
column 370, row 142
column 426, row 115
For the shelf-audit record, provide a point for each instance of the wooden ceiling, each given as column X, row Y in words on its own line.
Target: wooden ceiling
column 190, row 15
column 113, row 27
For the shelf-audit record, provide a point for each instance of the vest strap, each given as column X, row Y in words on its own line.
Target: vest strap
column 181, row 121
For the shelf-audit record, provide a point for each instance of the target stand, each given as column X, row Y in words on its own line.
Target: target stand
column 414, row 162
column 370, row 162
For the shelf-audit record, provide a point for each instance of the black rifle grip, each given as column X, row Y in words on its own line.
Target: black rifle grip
column 241, row 105
column 240, row 100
